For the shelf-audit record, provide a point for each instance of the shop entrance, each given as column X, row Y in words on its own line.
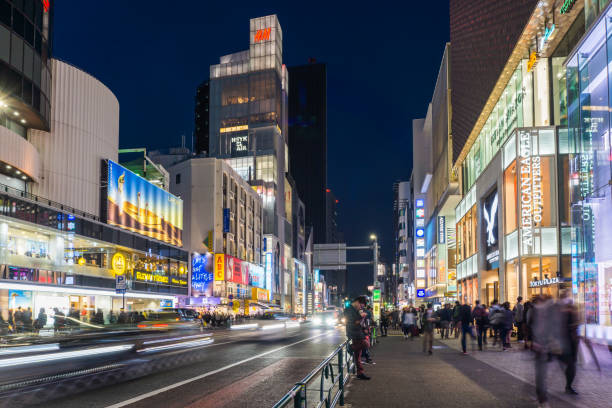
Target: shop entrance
column 490, row 286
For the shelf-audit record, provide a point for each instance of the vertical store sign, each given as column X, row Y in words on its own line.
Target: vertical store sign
column 419, row 205
column 530, row 181
column 226, row 220
column 219, row 267
column 269, row 271
column 441, row 229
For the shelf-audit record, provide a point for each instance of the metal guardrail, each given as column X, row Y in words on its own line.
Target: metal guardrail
column 324, row 386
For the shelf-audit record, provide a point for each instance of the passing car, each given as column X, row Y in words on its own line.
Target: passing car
column 330, row 318
column 171, row 318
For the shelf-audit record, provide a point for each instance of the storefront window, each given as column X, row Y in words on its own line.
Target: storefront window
column 512, row 281
column 510, row 198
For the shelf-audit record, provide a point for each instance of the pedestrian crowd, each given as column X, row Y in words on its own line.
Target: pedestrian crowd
column 548, row 328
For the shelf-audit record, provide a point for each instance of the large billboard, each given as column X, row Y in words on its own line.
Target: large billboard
column 139, row 206
column 243, row 272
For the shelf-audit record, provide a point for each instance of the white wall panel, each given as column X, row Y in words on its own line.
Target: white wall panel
column 19, row 153
column 84, row 130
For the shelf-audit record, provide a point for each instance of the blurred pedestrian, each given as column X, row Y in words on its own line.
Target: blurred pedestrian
column 408, row 321
column 466, row 319
column 496, row 320
column 384, row 323
column 545, row 342
column 428, row 322
column 456, row 318
column 446, row 315
column 354, row 316
column 568, row 335
column 41, row 320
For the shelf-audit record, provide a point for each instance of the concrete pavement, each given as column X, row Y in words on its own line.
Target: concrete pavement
column 404, row 376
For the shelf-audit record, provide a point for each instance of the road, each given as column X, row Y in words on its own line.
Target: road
column 237, row 372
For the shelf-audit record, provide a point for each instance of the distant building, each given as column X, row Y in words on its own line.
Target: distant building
column 308, row 143
column 202, row 115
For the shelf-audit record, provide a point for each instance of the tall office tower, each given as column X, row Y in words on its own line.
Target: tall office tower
column 308, row 143
column 248, row 128
column 483, row 34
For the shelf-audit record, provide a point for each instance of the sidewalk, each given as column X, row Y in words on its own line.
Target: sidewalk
column 405, row 376
column 592, row 385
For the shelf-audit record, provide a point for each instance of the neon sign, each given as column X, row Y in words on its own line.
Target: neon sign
column 262, row 35
column 533, row 57
column 567, row 6
column 547, row 34
column 46, row 5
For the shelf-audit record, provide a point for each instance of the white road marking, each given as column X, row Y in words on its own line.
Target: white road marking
column 199, row 377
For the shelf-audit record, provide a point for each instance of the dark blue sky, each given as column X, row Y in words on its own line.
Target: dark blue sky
column 382, row 57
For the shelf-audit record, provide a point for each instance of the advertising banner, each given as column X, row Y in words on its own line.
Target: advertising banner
column 257, row 276
column 20, row 298
column 139, row 206
column 268, row 271
column 202, row 275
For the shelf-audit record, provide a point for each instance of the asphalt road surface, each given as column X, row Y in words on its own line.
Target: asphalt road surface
column 237, row 372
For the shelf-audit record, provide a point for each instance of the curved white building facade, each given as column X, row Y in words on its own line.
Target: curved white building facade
column 84, row 126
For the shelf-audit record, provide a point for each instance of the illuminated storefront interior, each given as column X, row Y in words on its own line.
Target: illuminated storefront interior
column 589, row 107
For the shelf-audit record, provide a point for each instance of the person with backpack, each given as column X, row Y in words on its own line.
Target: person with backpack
column 481, row 318
column 506, row 326
column 496, row 320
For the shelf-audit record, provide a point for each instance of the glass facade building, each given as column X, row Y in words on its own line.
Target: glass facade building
column 25, row 55
column 589, row 106
column 52, row 258
column 248, row 112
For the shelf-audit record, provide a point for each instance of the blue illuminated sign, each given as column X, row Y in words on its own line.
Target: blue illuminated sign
column 420, row 293
column 420, row 203
column 420, row 232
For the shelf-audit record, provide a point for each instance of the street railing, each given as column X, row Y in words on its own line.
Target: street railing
column 324, row 386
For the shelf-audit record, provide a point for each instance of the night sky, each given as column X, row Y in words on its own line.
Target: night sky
column 382, row 61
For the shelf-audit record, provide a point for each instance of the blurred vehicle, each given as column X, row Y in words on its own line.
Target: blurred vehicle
column 171, row 318
column 329, row 318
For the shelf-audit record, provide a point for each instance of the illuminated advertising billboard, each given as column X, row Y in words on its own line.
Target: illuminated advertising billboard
column 243, row 272
column 135, row 204
column 202, row 274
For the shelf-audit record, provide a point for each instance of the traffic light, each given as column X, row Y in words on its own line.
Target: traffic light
column 347, row 303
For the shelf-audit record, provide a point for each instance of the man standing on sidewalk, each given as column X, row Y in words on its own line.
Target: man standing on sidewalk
column 518, row 318
column 354, row 331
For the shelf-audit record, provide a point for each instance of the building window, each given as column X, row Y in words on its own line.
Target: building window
column 178, row 178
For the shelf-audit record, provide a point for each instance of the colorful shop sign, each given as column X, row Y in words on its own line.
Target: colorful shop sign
column 118, row 263
column 219, row 267
column 260, row 295
column 151, row 277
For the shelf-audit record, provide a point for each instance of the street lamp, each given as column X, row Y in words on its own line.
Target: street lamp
column 373, row 237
